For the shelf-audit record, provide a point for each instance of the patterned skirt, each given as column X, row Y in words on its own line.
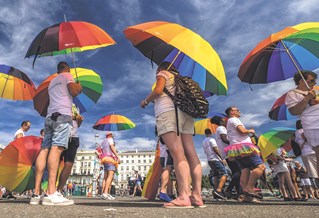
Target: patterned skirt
column 241, row 150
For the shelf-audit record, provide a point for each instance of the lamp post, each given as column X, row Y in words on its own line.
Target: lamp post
column 94, row 182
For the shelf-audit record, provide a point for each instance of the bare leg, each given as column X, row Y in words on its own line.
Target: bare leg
column 221, row 184
column 175, row 147
column 255, row 174
column 108, row 177
column 290, row 185
column 39, row 169
column 281, row 181
column 194, row 165
column 316, row 149
column 244, row 177
column 65, row 173
column 165, row 179
column 53, row 165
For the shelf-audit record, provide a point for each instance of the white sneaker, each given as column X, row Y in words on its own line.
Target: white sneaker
column 35, row 199
column 107, row 196
column 56, row 200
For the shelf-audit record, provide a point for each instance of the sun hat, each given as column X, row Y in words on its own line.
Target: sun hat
column 108, row 133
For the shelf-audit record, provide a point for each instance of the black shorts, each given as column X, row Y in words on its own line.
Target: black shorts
column 69, row 154
column 169, row 161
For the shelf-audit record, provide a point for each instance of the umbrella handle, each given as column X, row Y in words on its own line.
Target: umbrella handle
column 294, row 62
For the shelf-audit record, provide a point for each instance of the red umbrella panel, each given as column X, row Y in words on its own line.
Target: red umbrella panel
column 16, row 163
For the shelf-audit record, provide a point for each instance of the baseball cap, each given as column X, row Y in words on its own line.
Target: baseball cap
column 108, row 133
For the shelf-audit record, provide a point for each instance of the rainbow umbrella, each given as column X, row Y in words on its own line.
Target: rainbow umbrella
column 153, row 177
column 189, row 52
column 202, row 124
column 16, row 163
column 282, row 54
column 68, row 37
column 15, row 85
column 271, row 140
column 113, row 122
column 279, row 111
column 91, row 91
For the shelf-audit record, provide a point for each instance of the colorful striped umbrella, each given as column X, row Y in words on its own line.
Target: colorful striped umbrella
column 16, row 163
column 91, row 91
column 271, row 140
column 68, row 37
column 282, row 54
column 189, row 52
column 15, row 85
column 202, row 124
column 279, row 111
column 113, row 122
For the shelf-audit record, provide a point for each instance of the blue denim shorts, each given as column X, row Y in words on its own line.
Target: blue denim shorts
column 250, row 162
column 109, row 167
column 218, row 168
column 56, row 133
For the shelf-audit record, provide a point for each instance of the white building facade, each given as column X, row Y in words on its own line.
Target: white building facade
column 134, row 160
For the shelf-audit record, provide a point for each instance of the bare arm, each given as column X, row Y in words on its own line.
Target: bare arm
column 114, row 151
column 74, row 88
column 224, row 138
column 219, row 155
column 19, row 135
column 158, row 90
column 241, row 129
column 301, row 106
column 79, row 119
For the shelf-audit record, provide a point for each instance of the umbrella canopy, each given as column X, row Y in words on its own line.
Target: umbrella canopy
column 202, row 124
column 113, row 122
column 189, row 52
column 271, row 140
column 282, row 54
column 15, row 85
column 16, row 161
column 67, row 37
column 91, row 91
column 279, row 111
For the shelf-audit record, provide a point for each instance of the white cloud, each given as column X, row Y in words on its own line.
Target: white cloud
column 302, row 8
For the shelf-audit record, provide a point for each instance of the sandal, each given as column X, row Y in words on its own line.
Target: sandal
column 197, row 203
column 253, row 195
column 178, row 204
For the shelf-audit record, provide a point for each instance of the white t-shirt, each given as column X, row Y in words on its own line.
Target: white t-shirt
column 233, row 135
column 105, row 146
column 221, row 145
column 307, row 149
column 281, row 166
column 310, row 116
column 19, row 131
column 164, row 103
column 208, row 144
column 163, row 150
column 60, row 97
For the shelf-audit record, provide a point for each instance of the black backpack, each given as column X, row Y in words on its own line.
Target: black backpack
column 295, row 148
column 189, row 96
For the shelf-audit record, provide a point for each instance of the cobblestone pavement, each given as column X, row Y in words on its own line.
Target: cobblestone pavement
column 139, row 207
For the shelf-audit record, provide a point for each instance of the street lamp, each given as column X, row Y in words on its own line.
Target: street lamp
column 94, row 182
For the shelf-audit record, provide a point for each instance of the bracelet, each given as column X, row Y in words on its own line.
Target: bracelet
column 146, row 102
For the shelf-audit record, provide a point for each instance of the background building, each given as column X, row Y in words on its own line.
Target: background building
column 85, row 168
column 134, row 160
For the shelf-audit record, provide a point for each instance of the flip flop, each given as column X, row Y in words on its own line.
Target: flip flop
column 253, row 195
column 172, row 205
column 196, row 205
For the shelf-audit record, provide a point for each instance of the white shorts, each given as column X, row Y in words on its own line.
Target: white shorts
column 312, row 136
column 305, row 182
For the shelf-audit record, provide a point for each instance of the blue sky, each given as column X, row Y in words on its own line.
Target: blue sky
column 232, row 27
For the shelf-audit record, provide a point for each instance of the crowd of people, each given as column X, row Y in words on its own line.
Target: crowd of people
column 231, row 148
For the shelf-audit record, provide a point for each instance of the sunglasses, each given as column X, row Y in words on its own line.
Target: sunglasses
column 311, row 81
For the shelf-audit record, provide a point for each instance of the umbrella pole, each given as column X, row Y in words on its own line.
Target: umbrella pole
column 174, row 59
column 294, row 62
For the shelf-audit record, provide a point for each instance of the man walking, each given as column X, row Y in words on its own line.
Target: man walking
column 56, row 134
column 216, row 163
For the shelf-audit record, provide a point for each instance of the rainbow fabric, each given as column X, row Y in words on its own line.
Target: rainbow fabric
column 241, row 150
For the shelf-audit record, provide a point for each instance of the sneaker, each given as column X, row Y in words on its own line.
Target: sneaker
column 107, row 197
column 35, row 199
column 9, row 196
column 56, row 200
column 219, row 195
column 164, row 197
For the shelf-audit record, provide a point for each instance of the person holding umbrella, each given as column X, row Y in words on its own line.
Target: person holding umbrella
column 57, row 129
column 181, row 147
column 302, row 102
